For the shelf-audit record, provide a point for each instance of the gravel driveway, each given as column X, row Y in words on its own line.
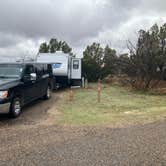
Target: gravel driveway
column 34, row 139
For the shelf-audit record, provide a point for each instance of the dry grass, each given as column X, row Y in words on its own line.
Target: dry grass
column 118, row 105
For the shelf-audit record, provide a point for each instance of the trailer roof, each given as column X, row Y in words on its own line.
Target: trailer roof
column 58, row 53
column 52, row 58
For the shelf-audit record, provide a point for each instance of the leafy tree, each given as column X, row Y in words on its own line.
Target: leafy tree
column 146, row 60
column 162, row 37
column 65, row 47
column 93, row 61
column 162, row 44
column 55, row 45
column 123, row 64
column 44, row 48
column 99, row 62
column 110, row 62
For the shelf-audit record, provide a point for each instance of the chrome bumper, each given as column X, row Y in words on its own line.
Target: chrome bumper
column 4, row 108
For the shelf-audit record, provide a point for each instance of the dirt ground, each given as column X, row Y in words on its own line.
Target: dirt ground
column 35, row 139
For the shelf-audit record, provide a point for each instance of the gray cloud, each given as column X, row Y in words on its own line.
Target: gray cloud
column 8, row 39
column 47, row 18
column 79, row 22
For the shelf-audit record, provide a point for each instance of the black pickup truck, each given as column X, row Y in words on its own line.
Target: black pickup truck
column 21, row 84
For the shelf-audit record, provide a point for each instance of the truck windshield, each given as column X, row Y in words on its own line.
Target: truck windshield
column 10, row 71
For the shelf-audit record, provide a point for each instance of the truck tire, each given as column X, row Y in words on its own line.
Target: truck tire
column 15, row 108
column 48, row 93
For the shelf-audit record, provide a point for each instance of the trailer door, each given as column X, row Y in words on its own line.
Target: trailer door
column 76, row 68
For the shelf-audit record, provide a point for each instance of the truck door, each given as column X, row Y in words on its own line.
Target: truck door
column 42, row 79
column 30, row 87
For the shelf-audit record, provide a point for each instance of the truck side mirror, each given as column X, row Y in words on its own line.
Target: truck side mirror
column 30, row 77
column 33, row 76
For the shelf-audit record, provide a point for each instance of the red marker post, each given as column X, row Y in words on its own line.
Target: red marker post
column 99, row 90
column 71, row 95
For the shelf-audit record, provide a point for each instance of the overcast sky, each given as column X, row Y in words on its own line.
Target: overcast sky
column 24, row 24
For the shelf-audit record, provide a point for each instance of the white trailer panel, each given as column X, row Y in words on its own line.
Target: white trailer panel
column 59, row 62
column 76, row 68
column 66, row 69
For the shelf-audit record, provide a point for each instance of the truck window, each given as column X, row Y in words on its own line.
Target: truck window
column 10, row 71
column 39, row 70
column 29, row 69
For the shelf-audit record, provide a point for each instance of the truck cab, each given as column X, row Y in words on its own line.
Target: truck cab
column 21, row 84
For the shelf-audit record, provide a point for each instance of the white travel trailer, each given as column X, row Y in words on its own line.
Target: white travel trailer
column 67, row 70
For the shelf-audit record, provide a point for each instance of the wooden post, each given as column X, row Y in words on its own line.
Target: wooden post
column 99, row 90
column 83, row 82
column 71, row 95
column 86, row 83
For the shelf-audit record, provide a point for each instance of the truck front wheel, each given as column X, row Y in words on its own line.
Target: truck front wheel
column 48, row 93
column 15, row 108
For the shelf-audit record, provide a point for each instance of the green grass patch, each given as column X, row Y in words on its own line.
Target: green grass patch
column 118, row 105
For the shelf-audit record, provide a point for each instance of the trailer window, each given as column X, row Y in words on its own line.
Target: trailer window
column 76, row 64
column 56, row 65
